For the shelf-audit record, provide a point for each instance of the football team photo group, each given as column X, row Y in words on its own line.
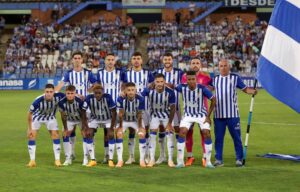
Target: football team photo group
column 149, row 95
column 143, row 104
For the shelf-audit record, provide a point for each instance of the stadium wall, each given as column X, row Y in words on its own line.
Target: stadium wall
column 91, row 15
column 39, row 83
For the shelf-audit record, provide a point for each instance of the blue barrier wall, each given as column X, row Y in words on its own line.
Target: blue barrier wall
column 39, row 83
column 26, row 84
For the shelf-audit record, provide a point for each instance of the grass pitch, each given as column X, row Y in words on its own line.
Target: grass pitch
column 275, row 128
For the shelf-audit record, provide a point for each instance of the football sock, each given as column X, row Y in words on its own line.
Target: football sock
column 180, row 150
column 111, row 146
column 119, row 146
column 142, row 147
column 131, row 144
column 170, row 145
column 31, row 149
column 56, row 148
column 67, row 147
column 162, row 141
column 152, row 145
column 90, row 148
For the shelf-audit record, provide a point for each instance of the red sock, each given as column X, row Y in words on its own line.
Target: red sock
column 189, row 140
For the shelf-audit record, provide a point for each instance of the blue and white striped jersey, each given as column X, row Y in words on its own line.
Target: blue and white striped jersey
column 82, row 80
column 72, row 109
column 43, row 110
column 131, row 107
column 100, row 110
column 173, row 77
column 226, row 95
column 160, row 102
column 193, row 100
column 141, row 79
column 111, row 82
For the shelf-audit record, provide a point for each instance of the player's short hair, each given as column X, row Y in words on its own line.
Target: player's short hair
column 130, row 84
column 191, row 73
column 135, row 54
column 70, row 88
column 110, row 54
column 49, row 86
column 159, row 75
column 168, row 54
column 97, row 86
column 77, row 53
column 195, row 58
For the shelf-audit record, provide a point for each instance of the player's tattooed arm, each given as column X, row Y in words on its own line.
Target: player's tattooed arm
column 121, row 114
column 122, row 92
column 211, row 109
column 84, row 119
column 63, row 116
column 29, row 118
column 140, row 118
column 170, row 85
column 114, row 117
column 29, row 131
column 169, row 126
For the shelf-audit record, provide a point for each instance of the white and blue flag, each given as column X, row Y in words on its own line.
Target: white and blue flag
column 279, row 63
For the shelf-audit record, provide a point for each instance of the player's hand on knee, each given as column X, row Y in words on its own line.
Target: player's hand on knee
column 88, row 133
column 65, row 133
column 30, row 134
column 141, row 133
column 170, row 128
column 119, row 132
column 206, row 133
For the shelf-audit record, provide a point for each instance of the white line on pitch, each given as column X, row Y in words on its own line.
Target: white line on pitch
column 266, row 123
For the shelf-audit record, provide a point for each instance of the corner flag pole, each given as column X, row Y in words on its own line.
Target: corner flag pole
column 248, row 125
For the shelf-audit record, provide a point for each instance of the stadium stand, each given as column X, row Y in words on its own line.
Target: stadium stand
column 36, row 50
column 238, row 41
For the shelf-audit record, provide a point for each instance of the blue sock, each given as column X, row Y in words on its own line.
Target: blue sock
column 66, row 139
column 181, row 139
column 111, row 141
column 56, row 141
column 161, row 135
column 31, row 142
column 73, row 134
column 131, row 136
column 208, row 141
column 153, row 133
column 89, row 140
column 105, row 143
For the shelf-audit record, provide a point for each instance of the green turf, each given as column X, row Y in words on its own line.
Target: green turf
column 259, row 175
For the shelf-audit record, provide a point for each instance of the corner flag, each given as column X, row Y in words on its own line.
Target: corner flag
column 279, row 63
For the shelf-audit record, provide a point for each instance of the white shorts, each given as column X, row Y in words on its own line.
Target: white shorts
column 146, row 117
column 187, row 121
column 71, row 125
column 94, row 124
column 133, row 124
column 50, row 124
column 155, row 122
column 177, row 118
